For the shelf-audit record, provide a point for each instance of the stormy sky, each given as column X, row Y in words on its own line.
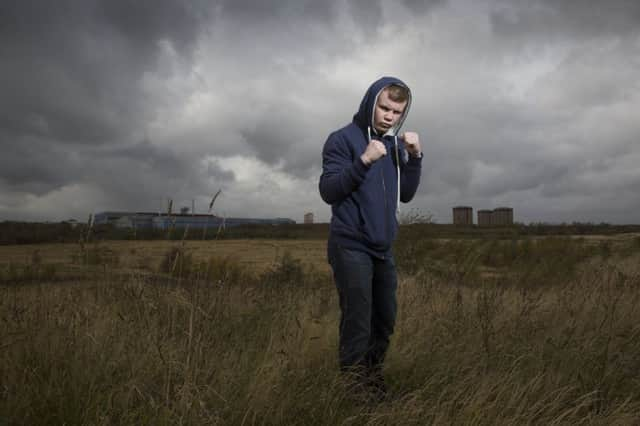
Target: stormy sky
column 121, row 104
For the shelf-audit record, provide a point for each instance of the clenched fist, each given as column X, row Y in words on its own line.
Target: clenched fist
column 412, row 143
column 375, row 150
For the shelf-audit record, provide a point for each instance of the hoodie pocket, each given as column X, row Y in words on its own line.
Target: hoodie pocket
column 371, row 217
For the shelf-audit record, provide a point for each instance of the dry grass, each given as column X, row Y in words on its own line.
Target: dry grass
column 254, row 254
column 224, row 344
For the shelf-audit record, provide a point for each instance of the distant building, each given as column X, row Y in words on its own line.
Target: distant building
column 207, row 221
column 146, row 220
column 485, row 217
column 308, row 218
column 110, row 217
column 463, row 215
column 502, row 216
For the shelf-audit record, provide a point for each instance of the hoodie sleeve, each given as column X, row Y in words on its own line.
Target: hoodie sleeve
column 410, row 178
column 341, row 173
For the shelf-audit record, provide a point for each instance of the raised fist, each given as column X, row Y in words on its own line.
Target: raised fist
column 375, row 150
column 412, row 143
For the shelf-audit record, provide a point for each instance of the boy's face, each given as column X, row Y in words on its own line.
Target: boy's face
column 386, row 113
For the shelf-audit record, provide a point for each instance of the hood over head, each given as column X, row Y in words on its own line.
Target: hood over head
column 364, row 117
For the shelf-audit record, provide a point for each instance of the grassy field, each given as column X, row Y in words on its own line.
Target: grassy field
column 521, row 331
column 147, row 255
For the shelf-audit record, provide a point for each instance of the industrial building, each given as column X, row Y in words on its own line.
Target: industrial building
column 463, row 215
column 145, row 220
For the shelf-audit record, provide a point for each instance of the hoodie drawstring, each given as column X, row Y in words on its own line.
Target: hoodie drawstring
column 398, row 173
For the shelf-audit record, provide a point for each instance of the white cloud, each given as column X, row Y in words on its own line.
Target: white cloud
column 261, row 189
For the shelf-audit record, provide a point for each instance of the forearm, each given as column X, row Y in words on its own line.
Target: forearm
column 410, row 179
column 338, row 182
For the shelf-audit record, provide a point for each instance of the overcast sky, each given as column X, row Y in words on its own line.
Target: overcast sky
column 118, row 105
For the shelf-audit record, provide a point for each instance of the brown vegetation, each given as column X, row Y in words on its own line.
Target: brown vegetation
column 522, row 331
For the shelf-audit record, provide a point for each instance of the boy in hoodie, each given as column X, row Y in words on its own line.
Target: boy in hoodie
column 366, row 171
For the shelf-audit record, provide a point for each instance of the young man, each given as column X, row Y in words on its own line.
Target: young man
column 366, row 171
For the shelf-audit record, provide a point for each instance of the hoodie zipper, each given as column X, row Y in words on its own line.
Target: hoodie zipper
column 384, row 192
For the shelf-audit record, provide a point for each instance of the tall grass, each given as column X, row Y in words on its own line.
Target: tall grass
column 213, row 343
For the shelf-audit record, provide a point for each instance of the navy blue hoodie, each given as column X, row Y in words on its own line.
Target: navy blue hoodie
column 364, row 199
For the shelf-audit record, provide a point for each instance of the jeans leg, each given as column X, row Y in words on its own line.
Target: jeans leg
column 384, row 310
column 353, row 273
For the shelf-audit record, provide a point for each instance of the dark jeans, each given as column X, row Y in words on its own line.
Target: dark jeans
column 367, row 289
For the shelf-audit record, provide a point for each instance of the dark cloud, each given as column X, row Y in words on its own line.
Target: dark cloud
column 144, row 172
column 147, row 157
column 285, row 136
column 268, row 141
column 367, row 14
column 422, row 6
column 137, row 175
column 252, row 11
column 548, row 19
column 72, row 69
column 120, row 104
column 519, row 176
column 36, row 165
column 74, row 99
column 145, row 22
